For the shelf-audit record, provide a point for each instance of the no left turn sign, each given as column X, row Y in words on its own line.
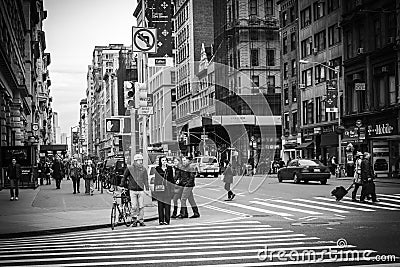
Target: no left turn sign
column 144, row 40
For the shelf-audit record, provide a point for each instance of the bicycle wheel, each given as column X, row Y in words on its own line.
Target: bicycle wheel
column 113, row 216
column 127, row 212
column 106, row 184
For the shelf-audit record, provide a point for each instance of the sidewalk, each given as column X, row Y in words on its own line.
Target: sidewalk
column 48, row 210
column 377, row 180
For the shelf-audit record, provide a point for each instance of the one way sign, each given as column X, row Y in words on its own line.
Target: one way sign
column 113, row 125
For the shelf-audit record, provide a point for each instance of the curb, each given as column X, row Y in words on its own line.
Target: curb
column 64, row 230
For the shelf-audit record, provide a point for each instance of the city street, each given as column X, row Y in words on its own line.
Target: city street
column 267, row 224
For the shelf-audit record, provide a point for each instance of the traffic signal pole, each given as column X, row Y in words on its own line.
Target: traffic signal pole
column 133, row 133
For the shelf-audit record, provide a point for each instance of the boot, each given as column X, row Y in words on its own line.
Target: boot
column 174, row 216
column 183, row 214
column 196, row 213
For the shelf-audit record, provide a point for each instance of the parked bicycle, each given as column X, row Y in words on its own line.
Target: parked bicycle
column 125, row 210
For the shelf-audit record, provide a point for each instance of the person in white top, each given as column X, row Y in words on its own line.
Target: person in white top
column 357, row 175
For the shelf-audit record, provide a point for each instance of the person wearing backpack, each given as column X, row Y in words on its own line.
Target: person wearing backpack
column 75, row 172
column 89, row 173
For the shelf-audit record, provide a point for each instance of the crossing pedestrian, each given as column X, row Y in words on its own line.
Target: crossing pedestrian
column 75, row 172
column 228, row 180
column 367, row 177
column 187, row 177
column 136, row 180
column 57, row 172
column 178, row 189
column 14, row 173
column 164, row 190
column 357, row 175
column 89, row 174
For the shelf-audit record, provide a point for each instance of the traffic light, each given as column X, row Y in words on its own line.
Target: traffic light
column 128, row 94
column 140, row 95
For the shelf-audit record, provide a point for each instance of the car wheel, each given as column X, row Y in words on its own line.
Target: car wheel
column 296, row 179
column 324, row 181
column 305, row 181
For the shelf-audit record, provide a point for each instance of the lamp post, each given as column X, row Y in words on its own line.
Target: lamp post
column 337, row 72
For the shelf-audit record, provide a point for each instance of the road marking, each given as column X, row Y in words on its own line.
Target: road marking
column 226, row 211
column 376, row 206
column 329, row 204
column 311, row 206
column 386, row 195
column 259, row 210
column 286, row 208
column 388, row 199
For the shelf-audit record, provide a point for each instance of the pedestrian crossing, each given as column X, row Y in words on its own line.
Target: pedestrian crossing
column 233, row 243
column 299, row 207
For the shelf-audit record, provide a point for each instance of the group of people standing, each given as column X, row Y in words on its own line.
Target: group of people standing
column 364, row 178
column 87, row 171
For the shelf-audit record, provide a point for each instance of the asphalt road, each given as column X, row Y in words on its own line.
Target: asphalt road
column 267, row 224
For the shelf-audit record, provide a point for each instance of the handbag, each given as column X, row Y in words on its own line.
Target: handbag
column 160, row 187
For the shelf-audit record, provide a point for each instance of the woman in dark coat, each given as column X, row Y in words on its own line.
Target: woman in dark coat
column 164, row 190
column 228, row 180
column 57, row 173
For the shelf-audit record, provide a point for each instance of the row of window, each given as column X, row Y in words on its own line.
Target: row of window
column 286, row 124
column 203, row 101
column 286, row 97
column 334, row 37
column 255, row 57
column 318, row 10
column 254, row 8
column 321, row 73
column 314, row 111
column 182, row 17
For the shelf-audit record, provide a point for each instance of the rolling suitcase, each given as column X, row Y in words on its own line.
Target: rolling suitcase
column 339, row 192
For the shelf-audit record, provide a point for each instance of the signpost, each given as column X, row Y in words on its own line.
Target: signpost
column 144, row 40
column 331, row 96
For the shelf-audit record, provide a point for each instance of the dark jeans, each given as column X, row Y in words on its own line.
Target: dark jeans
column 164, row 211
column 354, row 193
column 58, row 183
column 228, row 188
column 187, row 194
column 75, row 184
column 368, row 189
column 14, row 187
column 87, row 186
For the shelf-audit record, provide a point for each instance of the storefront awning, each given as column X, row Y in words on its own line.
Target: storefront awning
column 305, row 145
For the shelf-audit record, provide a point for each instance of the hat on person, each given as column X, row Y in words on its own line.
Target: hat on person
column 138, row 157
column 359, row 154
column 366, row 154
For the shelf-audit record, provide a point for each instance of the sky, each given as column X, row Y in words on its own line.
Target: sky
column 73, row 28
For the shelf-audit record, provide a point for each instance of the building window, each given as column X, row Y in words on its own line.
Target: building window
column 286, row 94
column 285, row 45
column 294, row 92
column 306, row 47
column 310, row 111
column 320, row 75
column 320, row 40
column 284, row 18
column 293, row 41
column 305, row 112
column 333, row 5
column 319, row 10
column 287, row 121
column 305, row 17
column 254, row 57
column 377, row 33
column 285, row 70
column 294, row 68
column 269, row 7
column 337, row 62
column 317, row 109
column 306, row 76
column 349, row 44
column 256, row 80
column 271, row 84
column 253, row 35
column 270, row 57
column 292, row 14
column 253, row 7
column 294, row 119
column 334, row 36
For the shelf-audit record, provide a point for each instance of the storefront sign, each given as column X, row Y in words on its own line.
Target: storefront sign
column 381, row 129
column 238, row 120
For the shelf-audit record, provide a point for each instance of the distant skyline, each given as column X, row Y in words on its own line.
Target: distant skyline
column 73, row 28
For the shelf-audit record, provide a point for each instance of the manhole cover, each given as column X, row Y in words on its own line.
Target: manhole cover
column 315, row 223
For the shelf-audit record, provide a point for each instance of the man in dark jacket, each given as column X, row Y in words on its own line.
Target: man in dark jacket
column 89, row 175
column 14, row 174
column 56, row 167
column 367, row 178
column 186, row 178
column 136, row 180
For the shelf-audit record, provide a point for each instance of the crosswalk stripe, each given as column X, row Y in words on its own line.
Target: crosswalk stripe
column 389, row 199
column 286, row 208
column 164, row 255
column 386, row 195
column 310, row 206
column 243, row 240
column 260, row 210
column 226, row 211
column 332, row 205
column 375, row 206
column 157, row 237
column 395, row 206
column 221, row 248
column 160, row 229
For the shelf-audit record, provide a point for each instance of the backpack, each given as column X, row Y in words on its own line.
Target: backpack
column 89, row 170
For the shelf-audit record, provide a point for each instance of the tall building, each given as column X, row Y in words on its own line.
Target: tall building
column 371, row 53
column 248, row 106
column 193, row 25
column 320, row 44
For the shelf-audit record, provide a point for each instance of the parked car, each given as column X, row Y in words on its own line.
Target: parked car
column 304, row 170
column 381, row 165
column 206, row 165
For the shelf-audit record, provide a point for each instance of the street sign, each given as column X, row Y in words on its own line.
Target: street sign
column 331, row 96
column 144, row 40
column 113, row 125
column 161, row 62
column 359, row 86
column 145, row 111
column 149, row 100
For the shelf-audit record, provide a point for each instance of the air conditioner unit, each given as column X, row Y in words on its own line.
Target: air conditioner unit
column 392, row 40
column 315, row 50
column 360, row 50
column 302, row 86
column 356, row 77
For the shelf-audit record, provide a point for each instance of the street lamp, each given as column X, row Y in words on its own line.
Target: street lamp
column 337, row 71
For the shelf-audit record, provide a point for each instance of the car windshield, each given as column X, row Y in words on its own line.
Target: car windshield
column 209, row 160
column 306, row 162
